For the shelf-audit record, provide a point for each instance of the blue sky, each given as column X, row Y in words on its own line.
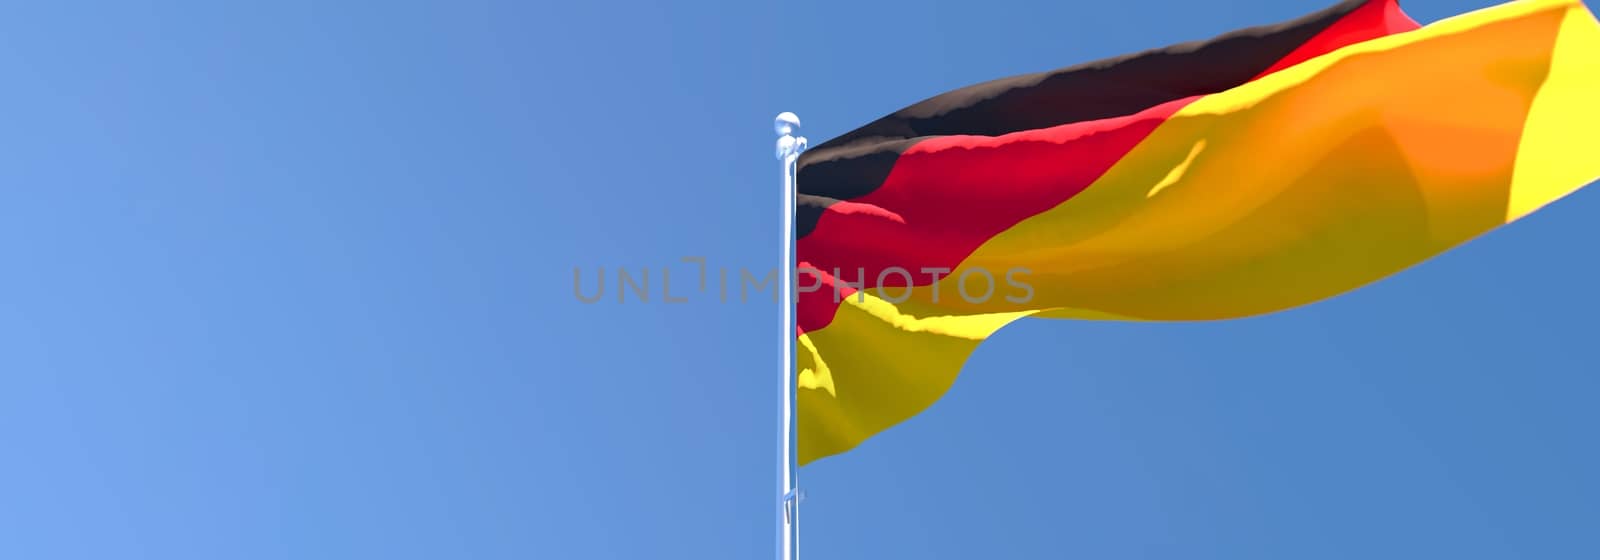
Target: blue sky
column 294, row 281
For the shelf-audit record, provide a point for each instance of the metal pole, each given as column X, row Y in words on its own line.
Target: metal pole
column 789, row 148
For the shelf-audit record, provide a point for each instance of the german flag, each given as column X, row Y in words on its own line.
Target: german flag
column 1254, row 172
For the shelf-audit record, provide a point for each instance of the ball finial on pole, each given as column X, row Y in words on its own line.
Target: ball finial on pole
column 786, row 125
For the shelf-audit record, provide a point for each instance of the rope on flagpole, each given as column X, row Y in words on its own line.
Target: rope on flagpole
column 789, row 148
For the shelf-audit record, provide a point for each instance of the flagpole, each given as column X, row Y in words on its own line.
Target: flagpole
column 789, row 148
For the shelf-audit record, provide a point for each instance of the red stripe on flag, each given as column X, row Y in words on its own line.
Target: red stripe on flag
column 1378, row 18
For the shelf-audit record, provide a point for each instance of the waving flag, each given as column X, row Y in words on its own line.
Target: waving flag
column 1254, row 172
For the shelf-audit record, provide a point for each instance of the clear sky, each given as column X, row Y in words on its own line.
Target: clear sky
column 294, row 280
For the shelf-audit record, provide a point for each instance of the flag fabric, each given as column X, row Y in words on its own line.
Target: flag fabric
column 1258, row 171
